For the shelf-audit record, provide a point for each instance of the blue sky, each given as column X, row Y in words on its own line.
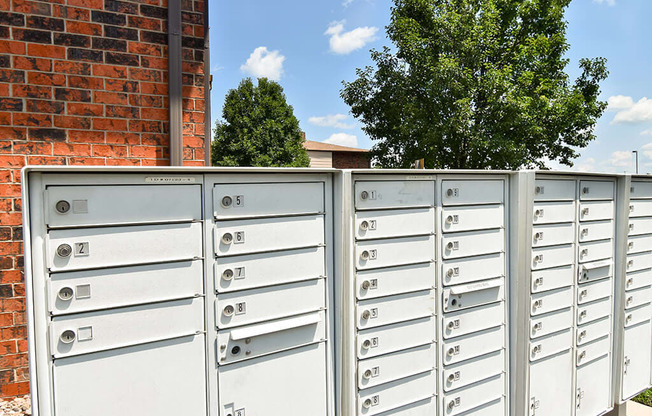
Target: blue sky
column 311, row 46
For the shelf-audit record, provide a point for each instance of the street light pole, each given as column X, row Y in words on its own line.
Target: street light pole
column 636, row 158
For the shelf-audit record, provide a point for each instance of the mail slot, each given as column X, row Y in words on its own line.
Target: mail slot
column 544, row 302
column 593, row 387
column 267, row 199
column 548, row 279
column 553, row 212
column 380, row 370
column 472, row 192
column 639, row 261
column 593, row 190
column 126, row 379
column 376, row 312
column 474, row 370
column 109, row 329
column 640, row 189
column 639, row 226
column 265, row 269
column 89, row 290
column 596, row 270
column 598, row 230
column 384, row 282
column 641, row 278
column 394, row 194
column 640, row 208
column 268, row 234
column 472, row 269
column 593, row 291
column 549, row 393
column 473, row 243
column 638, row 297
column 475, row 395
column 637, row 315
column 378, row 341
column 594, row 330
column 83, row 206
column 467, row 218
column 552, row 234
column 596, row 210
column 93, row 248
column 550, row 345
column 589, row 312
column 388, row 396
column 269, row 377
column 636, row 371
column 472, row 320
column 251, row 306
column 554, row 190
column 595, row 250
column 473, row 294
column 473, row 345
column 547, row 257
column 551, row 322
column 639, row 243
column 253, row 341
column 394, row 252
column 394, row 223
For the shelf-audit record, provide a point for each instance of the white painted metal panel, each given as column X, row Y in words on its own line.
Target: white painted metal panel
column 548, row 279
column 639, row 243
column 394, row 223
column 595, row 190
column 467, row 218
column 384, row 282
column 89, row 248
column 593, row 395
column 589, row 312
column 391, row 367
column 265, row 269
column 551, row 386
column 550, row 345
column 595, row 250
column 552, row 234
column 640, row 208
column 552, row 300
column 267, row 234
column 638, row 279
column 394, row 194
column 472, row 269
column 596, row 270
column 594, row 330
column 472, row 320
column 377, row 341
column 554, row 190
column 388, row 396
column 269, row 337
column 473, row 370
column 473, row 345
column 473, row 243
column 551, row 322
column 268, row 385
column 639, row 261
column 75, row 206
column 473, row 294
column 472, row 192
column 547, row 257
column 593, row 350
column 256, row 305
column 553, row 212
column 470, row 397
column 638, row 297
column 132, row 382
column 640, row 226
column 420, row 408
column 108, row 329
column 637, row 315
column 597, row 230
column 377, row 312
column 636, row 368
column 495, row 408
column 394, row 252
column 267, row 199
column 88, row 290
column 597, row 210
column 640, row 189
column 588, row 292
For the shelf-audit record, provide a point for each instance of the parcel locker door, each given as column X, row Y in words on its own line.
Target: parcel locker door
column 636, row 365
column 551, row 385
column 593, row 392
column 472, row 192
column 394, row 194
column 291, row 383
column 394, row 223
column 132, row 382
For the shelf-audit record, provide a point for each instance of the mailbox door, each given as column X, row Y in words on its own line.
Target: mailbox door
column 394, row 252
column 553, row 212
column 473, row 294
column 473, row 345
column 640, row 226
column 640, row 208
column 593, row 231
column 394, row 223
column 550, row 323
column 391, row 367
column 420, row 408
column 473, row 370
column 388, row 396
column 394, row 194
column 555, row 256
column 548, row 279
column 472, row 269
column 550, row 345
column 638, row 279
column 595, row 250
column 594, row 330
column 589, row 312
column 593, row 350
column 473, row 243
column 544, row 302
column 595, row 190
column 554, row 190
column 636, row 368
column 639, row 243
column 472, row 192
column 552, row 234
column 377, row 312
column 596, row 210
column 593, row 392
column 593, row 291
column 472, row 320
column 390, row 281
column 475, row 395
column 551, row 388
column 378, row 341
column 467, row 218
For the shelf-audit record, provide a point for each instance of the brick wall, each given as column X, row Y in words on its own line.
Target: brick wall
column 83, row 82
column 351, row 160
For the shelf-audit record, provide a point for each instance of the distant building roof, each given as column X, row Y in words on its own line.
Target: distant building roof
column 327, row 147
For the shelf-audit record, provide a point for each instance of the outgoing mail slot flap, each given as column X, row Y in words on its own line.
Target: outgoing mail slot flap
column 268, row 234
column 395, row 280
column 388, row 396
column 469, row 397
column 597, row 230
column 374, row 254
column 547, row 257
column 376, row 312
column 474, row 370
column 548, row 279
column 473, row 294
column 592, row 190
column 589, row 292
column 123, row 286
column 473, row 345
column 472, row 320
column 553, row 212
column 394, row 194
column 595, row 270
column 636, row 374
column 551, row 322
column 394, row 223
column 378, row 341
column 544, row 302
column 640, row 208
column 594, row 388
column 471, row 192
column 589, row 312
column 467, row 270
column 257, row 305
column 109, row 329
column 596, row 210
column 550, row 345
column 261, row 339
column 93, row 248
column 391, row 367
column 76, row 206
column 473, row 243
column 267, row 199
column 467, row 218
column 554, row 190
column 594, row 330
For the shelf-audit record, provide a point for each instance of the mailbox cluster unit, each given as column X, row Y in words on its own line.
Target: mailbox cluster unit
column 303, row 292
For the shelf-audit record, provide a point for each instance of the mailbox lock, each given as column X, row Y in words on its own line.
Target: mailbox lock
column 450, row 272
column 630, row 281
column 631, row 208
column 227, row 201
column 364, row 195
column 585, row 275
column 537, row 304
column 364, row 225
column 366, row 344
column 584, row 293
column 67, row 336
column 227, row 238
column 367, row 403
column 538, row 213
column 630, row 245
column 582, row 314
column 538, row 258
column 538, row 236
column 585, row 190
column 235, row 350
column 585, row 231
column 451, row 378
column 630, row 300
column 366, row 284
column 451, row 325
column 536, row 349
column 449, row 246
column 585, row 211
column 451, row 352
column 582, row 334
column 538, row 190
column 65, row 293
column 229, row 310
column 62, row 207
column 630, row 263
column 582, row 355
column 584, row 252
column 227, row 274
column 628, row 318
column 367, row 374
column 451, row 404
column 449, row 192
column 364, row 255
column 64, row 250
column 538, row 281
column 366, row 315
column 449, row 219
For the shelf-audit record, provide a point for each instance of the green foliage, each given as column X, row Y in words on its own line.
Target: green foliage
column 259, row 128
column 644, row 398
column 476, row 84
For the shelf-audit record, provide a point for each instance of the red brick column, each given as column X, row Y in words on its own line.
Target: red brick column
column 83, row 82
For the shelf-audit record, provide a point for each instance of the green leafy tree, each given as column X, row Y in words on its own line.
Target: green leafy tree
column 259, row 128
column 477, row 84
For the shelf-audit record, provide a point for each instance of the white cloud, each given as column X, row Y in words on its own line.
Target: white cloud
column 264, row 63
column 630, row 111
column 647, row 150
column 343, row 43
column 343, row 139
column 647, row 132
column 621, row 158
column 609, row 2
column 347, row 3
column 331, row 120
column 587, row 165
column 619, row 102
